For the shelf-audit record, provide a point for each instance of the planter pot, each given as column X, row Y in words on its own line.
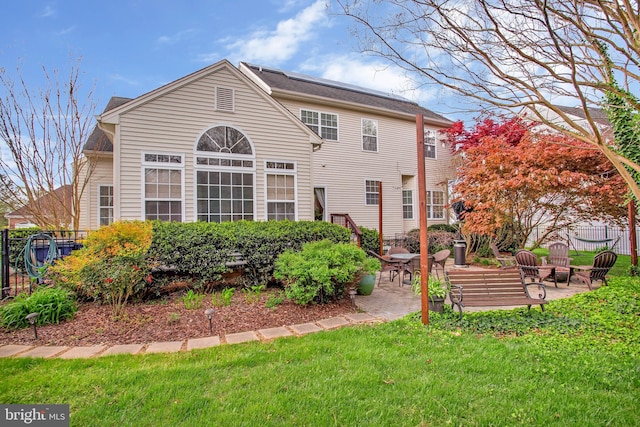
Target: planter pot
column 366, row 284
column 436, row 304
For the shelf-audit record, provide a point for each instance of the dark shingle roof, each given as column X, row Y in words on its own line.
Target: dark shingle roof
column 331, row 90
column 98, row 140
column 597, row 114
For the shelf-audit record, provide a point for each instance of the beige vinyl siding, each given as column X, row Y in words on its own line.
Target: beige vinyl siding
column 343, row 166
column 173, row 122
column 102, row 174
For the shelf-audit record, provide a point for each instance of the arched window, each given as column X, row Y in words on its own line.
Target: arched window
column 224, row 175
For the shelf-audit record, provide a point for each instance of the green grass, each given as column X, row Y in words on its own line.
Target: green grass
column 577, row 364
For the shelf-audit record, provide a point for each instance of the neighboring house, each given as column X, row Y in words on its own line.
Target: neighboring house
column 52, row 208
column 227, row 143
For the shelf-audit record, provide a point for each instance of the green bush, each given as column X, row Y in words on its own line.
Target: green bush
column 322, row 270
column 201, row 249
column 51, row 304
column 370, row 240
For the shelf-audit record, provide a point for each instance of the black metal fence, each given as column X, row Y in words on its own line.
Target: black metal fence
column 26, row 252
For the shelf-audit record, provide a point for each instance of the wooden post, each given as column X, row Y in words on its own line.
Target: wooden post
column 380, row 239
column 633, row 245
column 424, row 239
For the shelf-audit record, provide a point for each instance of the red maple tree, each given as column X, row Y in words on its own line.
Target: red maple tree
column 511, row 177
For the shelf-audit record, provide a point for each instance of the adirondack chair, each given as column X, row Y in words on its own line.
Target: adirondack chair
column 559, row 258
column 528, row 264
column 602, row 263
column 506, row 262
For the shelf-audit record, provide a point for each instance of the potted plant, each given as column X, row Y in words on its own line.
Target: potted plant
column 436, row 289
column 367, row 276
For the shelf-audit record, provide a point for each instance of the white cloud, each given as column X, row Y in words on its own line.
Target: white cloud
column 66, row 30
column 369, row 74
column 120, row 78
column 47, row 12
column 178, row 37
column 279, row 45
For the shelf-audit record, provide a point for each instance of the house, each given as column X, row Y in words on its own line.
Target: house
column 51, row 209
column 229, row 143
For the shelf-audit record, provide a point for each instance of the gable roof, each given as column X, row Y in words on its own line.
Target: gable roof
column 59, row 200
column 112, row 116
column 98, row 141
column 283, row 82
column 598, row 115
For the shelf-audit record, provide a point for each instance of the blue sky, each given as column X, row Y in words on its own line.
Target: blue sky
column 128, row 48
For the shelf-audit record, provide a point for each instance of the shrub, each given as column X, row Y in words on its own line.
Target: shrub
column 321, row 270
column 370, row 240
column 438, row 239
column 51, row 304
column 112, row 265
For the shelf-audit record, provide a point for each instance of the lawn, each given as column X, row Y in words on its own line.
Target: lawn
column 576, row 364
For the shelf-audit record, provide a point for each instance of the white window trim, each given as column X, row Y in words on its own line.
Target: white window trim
column 320, row 113
column 364, row 185
column 113, row 211
column 430, row 203
column 413, row 205
column 435, row 142
column 272, row 171
column 362, row 135
column 160, row 165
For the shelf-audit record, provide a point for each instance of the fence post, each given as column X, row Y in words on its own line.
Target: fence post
column 5, row 263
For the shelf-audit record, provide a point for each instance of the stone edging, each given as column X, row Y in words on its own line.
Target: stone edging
column 85, row 352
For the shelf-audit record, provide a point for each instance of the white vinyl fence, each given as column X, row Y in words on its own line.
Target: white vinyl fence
column 586, row 238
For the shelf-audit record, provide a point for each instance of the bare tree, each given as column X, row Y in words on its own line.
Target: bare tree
column 520, row 55
column 42, row 132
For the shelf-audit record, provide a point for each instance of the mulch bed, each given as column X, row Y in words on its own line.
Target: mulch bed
column 167, row 319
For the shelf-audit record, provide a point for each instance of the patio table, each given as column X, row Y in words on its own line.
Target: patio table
column 405, row 259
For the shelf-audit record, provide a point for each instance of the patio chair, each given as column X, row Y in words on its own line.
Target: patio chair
column 392, row 266
column 439, row 260
column 397, row 250
column 602, row 263
column 506, row 262
column 528, row 264
column 559, row 258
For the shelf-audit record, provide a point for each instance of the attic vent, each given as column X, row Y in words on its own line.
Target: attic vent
column 224, row 99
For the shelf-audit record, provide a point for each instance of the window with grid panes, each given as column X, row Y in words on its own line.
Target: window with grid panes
column 163, row 187
column 224, row 176
column 435, row 204
column 105, row 204
column 369, row 135
column 407, row 204
column 430, row 141
column 371, row 193
column 324, row 124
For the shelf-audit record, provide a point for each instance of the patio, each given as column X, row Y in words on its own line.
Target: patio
column 390, row 301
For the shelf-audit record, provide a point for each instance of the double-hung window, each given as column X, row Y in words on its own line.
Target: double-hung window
column 435, row 204
column 163, row 186
column 407, row 204
column 324, row 124
column 281, row 190
column 371, row 193
column 430, row 140
column 369, row 135
column 105, row 204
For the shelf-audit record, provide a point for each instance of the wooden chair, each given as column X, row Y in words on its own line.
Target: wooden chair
column 392, row 266
column 439, row 261
column 559, row 257
column 602, row 263
column 528, row 264
column 506, row 262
